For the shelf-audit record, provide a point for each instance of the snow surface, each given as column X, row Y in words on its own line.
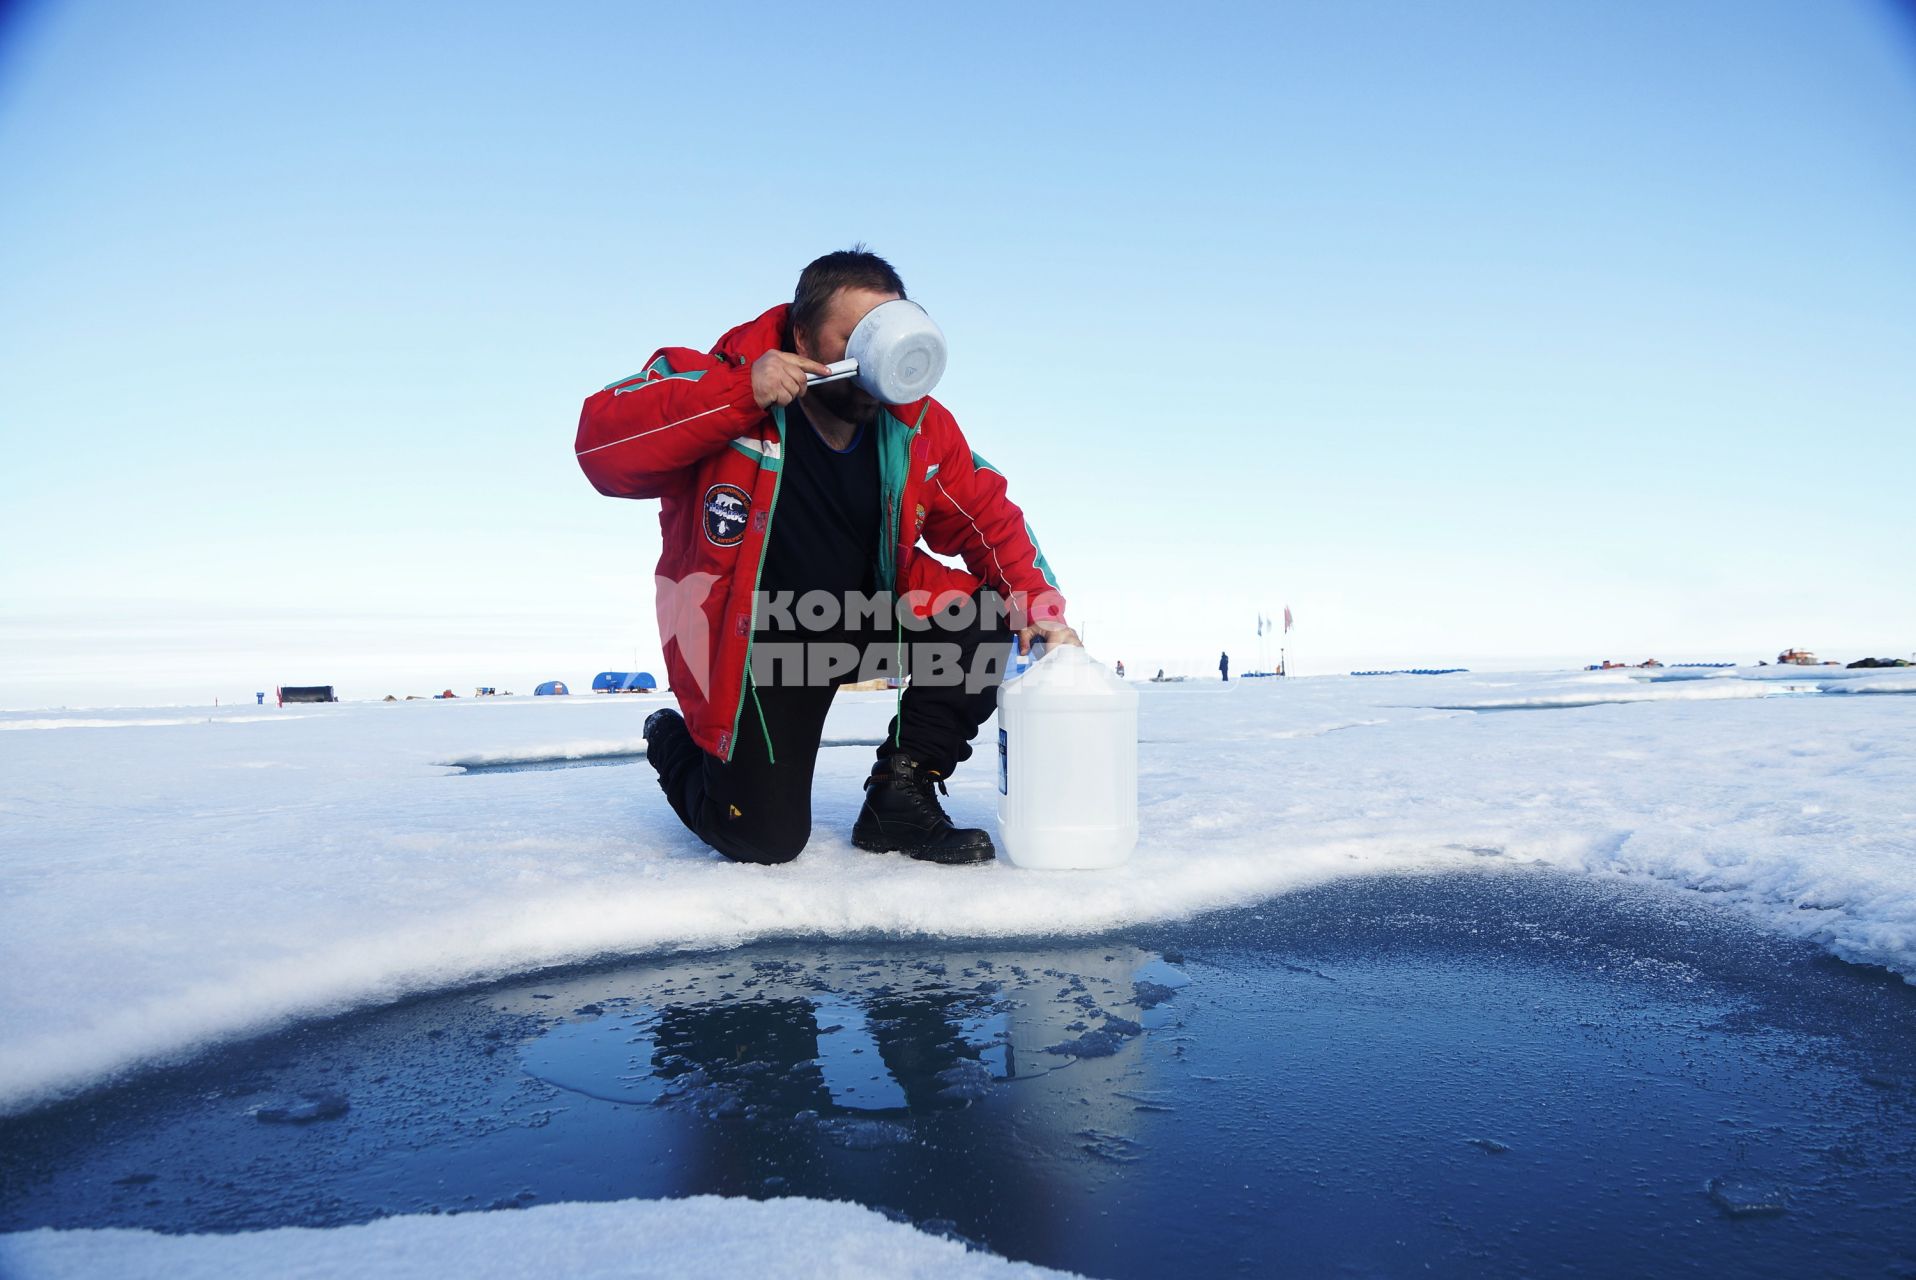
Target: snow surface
column 700, row 1238
column 194, row 876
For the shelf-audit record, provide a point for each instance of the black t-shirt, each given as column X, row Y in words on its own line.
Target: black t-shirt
column 826, row 524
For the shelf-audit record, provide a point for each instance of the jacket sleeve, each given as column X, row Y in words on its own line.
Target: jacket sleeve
column 969, row 515
column 639, row 438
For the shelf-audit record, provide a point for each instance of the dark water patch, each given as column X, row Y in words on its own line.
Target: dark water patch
column 1497, row 708
column 1769, row 691
column 545, row 764
column 540, row 764
column 1502, row 1072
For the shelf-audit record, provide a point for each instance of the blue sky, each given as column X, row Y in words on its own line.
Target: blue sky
column 1475, row 332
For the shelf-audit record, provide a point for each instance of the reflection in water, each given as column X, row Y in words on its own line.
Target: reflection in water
column 962, row 1089
column 799, row 1039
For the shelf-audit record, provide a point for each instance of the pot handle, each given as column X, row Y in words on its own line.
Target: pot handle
column 840, row 370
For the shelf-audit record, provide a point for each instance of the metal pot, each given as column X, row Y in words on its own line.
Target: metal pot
column 897, row 353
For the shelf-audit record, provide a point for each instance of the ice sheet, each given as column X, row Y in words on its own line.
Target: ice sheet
column 233, row 871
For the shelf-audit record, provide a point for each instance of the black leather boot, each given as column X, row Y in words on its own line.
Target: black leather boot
column 902, row 815
column 666, row 737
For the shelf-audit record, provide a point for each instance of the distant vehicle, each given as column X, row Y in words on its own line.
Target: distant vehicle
column 447, row 694
column 1797, row 658
column 624, row 682
column 551, row 688
column 304, row 693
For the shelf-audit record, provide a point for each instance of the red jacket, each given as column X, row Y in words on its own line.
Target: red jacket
column 686, row 430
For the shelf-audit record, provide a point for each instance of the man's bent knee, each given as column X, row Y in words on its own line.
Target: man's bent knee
column 761, row 844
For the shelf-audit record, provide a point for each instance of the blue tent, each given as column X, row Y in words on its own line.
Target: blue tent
column 623, row 682
column 551, row 687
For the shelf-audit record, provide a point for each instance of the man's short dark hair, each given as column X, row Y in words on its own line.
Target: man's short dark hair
column 853, row 268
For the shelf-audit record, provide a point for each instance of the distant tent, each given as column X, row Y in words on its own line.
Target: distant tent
column 623, row 682
column 551, row 687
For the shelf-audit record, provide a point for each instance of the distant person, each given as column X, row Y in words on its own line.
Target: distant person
column 1120, row 668
column 1224, row 667
column 773, row 494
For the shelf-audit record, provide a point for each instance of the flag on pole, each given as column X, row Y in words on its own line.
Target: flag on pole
column 1262, row 623
column 1287, row 619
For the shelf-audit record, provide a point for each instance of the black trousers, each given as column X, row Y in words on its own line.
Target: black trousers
column 757, row 807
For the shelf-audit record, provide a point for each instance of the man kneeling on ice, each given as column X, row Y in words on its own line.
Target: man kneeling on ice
column 791, row 516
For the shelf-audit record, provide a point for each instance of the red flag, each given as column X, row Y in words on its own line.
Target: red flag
column 1287, row 619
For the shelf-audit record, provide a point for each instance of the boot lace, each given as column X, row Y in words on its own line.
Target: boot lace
column 923, row 782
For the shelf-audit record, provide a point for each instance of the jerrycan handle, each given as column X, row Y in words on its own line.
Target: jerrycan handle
column 1019, row 663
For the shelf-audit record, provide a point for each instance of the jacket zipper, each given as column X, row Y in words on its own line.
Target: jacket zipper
column 898, row 554
column 751, row 637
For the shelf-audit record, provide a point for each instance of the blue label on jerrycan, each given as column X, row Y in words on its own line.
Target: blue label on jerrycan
column 1004, row 763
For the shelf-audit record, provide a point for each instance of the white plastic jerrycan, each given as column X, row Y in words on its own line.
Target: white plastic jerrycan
column 1067, row 764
